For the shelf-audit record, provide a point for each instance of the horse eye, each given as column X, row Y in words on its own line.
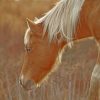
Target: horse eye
column 28, row 49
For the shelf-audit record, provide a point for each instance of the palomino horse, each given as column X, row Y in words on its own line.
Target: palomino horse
column 68, row 21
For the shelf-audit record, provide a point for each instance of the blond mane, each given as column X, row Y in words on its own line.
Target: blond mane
column 62, row 19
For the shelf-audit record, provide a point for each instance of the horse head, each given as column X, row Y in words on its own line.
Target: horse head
column 40, row 55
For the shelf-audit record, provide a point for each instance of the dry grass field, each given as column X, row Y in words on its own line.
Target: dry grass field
column 69, row 82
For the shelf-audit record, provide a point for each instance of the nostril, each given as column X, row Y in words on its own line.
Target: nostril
column 21, row 78
column 20, row 82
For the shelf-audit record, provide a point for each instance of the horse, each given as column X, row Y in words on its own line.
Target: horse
column 46, row 37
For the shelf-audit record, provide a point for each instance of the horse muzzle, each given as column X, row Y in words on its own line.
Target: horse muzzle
column 27, row 84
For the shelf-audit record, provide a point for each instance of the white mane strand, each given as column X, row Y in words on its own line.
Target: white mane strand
column 62, row 19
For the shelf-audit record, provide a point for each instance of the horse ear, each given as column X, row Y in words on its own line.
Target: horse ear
column 30, row 23
column 35, row 28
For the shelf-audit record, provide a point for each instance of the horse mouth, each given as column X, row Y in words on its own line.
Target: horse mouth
column 28, row 85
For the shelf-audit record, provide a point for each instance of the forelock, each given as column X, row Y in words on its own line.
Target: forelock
column 27, row 37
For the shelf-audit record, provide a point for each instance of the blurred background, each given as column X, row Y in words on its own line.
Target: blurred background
column 69, row 82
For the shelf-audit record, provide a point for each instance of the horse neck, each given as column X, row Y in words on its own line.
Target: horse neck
column 83, row 28
column 82, row 31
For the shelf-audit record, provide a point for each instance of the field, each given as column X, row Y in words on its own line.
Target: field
column 69, row 82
